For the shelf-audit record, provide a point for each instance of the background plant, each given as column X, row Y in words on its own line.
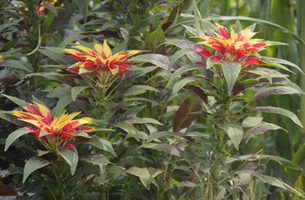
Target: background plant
column 32, row 40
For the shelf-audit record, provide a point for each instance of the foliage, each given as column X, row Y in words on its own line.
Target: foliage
column 132, row 99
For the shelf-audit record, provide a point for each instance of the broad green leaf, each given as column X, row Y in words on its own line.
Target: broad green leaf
column 274, row 90
column 234, row 131
column 237, row 27
column 138, row 89
column 96, row 159
column 156, row 59
column 17, row 101
column 76, row 90
column 281, row 111
column 251, row 121
column 185, row 114
column 33, row 164
column 102, row 144
column 71, row 157
column 61, row 104
column 261, row 129
column 14, row 136
column 128, row 128
column 231, row 71
column 283, row 161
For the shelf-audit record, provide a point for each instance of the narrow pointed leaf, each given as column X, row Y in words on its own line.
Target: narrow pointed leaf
column 17, row 101
column 261, row 129
column 138, row 89
column 281, row 111
column 71, row 157
column 274, row 90
column 167, row 148
column 14, row 136
column 280, row 160
column 33, row 164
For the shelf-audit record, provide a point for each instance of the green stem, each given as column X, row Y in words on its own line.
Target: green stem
column 39, row 42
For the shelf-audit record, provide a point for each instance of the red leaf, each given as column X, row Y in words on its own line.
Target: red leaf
column 197, row 92
column 8, row 190
column 184, row 115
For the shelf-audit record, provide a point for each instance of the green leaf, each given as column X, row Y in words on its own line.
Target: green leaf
column 33, row 164
column 280, row 160
column 231, row 71
column 177, row 55
column 146, row 175
column 270, row 180
column 138, row 89
column 156, row 135
column 177, row 73
column 251, row 121
column 41, row 152
column 146, row 120
column 14, row 136
column 156, row 59
column 128, row 128
column 83, row 7
column 17, row 101
column 167, row 148
column 76, row 90
column 71, row 157
column 58, row 57
column 180, row 84
column 281, row 111
column 61, row 104
column 71, row 38
column 274, row 90
column 261, row 129
column 298, row 159
column 51, row 8
column 211, row 62
column 102, row 144
column 19, row 65
column 96, row 159
column 278, row 61
column 234, row 131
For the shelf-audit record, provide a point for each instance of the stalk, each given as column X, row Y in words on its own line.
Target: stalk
column 301, row 5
